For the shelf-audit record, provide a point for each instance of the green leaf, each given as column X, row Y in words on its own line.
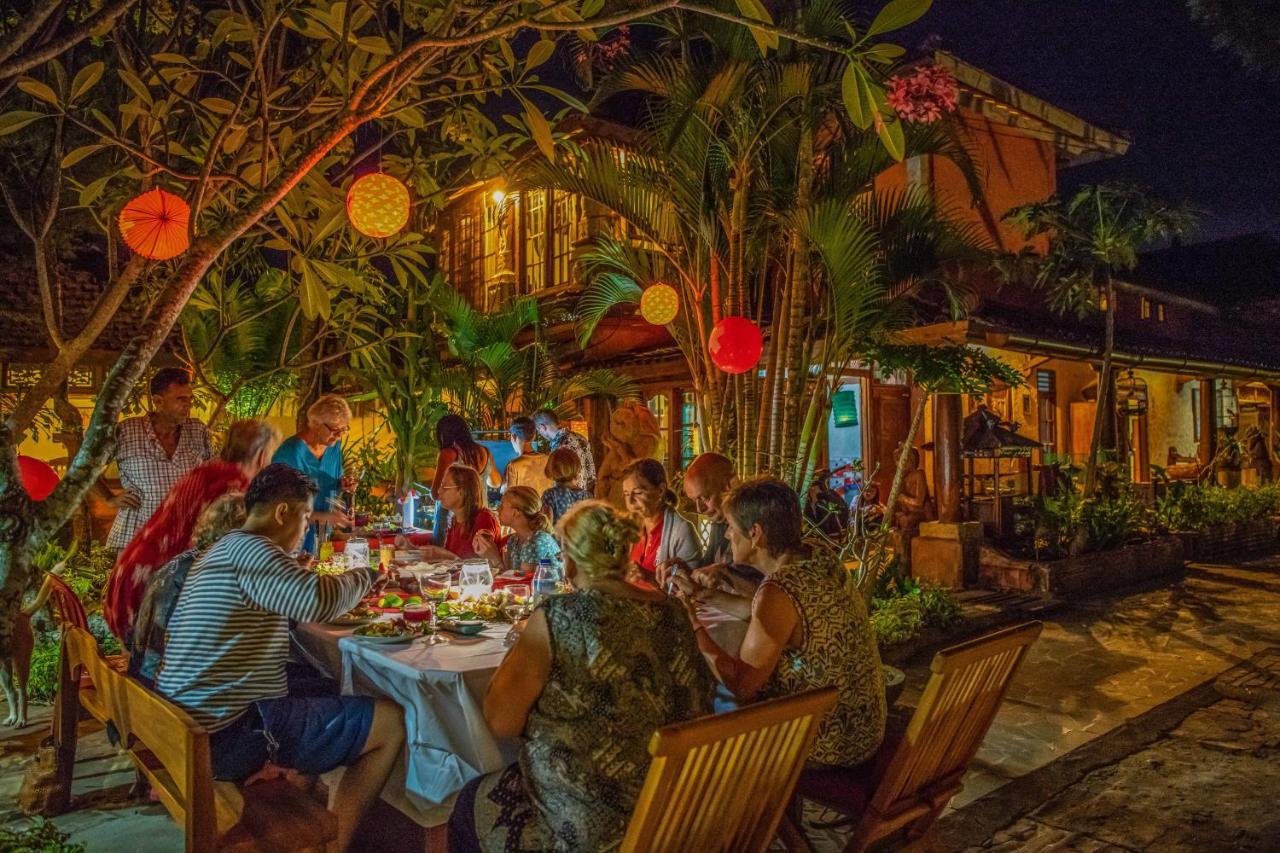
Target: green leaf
column 896, row 14
column 756, row 11
column 86, row 78
column 38, row 90
column 91, row 191
column 884, row 52
column 313, row 295
column 540, row 130
column 135, row 83
column 171, row 58
column 376, row 45
column 78, row 154
column 851, row 91
column 562, row 95
column 889, row 129
column 539, row 53
column 14, row 121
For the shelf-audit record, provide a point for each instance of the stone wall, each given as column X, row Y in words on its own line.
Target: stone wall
column 1089, row 573
column 1230, row 540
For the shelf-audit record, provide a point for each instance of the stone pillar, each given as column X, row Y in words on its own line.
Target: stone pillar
column 947, row 463
column 946, row 554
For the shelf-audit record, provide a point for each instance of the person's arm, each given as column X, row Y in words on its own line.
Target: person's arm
column 279, row 584
column 495, row 478
column 685, row 546
column 520, row 679
column 773, row 621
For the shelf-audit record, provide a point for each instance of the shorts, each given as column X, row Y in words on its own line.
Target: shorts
column 309, row 734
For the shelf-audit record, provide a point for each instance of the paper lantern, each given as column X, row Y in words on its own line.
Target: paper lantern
column 659, row 304
column 155, row 225
column 378, row 205
column 735, row 344
column 37, row 477
column 844, row 408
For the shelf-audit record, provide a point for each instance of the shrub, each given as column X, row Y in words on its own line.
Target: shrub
column 40, row 837
column 901, row 608
column 1192, row 507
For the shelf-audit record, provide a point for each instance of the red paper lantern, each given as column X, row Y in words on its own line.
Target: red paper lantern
column 155, row 224
column 37, row 477
column 735, row 344
column 659, row 304
column 378, row 205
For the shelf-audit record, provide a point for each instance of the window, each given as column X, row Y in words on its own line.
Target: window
column 535, row 243
column 1146, row 308
column 492, row 248
column 1047, row 409
column 570, row 226
column 1160, row 312
column 1195, row 412
column 690, row 436
column 466, row 265
column 661, row 413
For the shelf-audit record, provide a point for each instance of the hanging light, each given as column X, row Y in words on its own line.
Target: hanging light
column 155, row 224
column 844, row 408
column 378, row 205
column 659, row 304
column 735, row 344
column 1131, row 395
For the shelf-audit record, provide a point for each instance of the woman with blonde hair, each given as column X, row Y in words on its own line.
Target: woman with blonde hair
column 246, row 451
column 626, row 663
column 317, row 452
column 531, row 539
column 462, row 494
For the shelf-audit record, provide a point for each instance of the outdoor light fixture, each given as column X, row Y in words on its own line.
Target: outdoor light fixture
column 844, row 408
column 1131, row 396
column 499, row 197
column 378, row 205
column 154, row 225
column 735, row 344
column 659, row 304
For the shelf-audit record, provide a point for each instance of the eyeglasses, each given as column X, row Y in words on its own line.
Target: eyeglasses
column 340, row 430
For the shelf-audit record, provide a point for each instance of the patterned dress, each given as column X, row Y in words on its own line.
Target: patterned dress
column 620, row 669
column 557, row 500
column 540, row 546
column 149, row 472
column 840, row 651
column 579, row 445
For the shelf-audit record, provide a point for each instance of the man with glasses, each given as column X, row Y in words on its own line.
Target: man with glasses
column 317, row 452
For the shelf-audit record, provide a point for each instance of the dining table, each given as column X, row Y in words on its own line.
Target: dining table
column 441, row 686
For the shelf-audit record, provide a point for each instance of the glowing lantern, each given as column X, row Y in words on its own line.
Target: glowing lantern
column 37, row 477
column 659, row 304
column 735, row 344
column 155, row 225
column 378, row 205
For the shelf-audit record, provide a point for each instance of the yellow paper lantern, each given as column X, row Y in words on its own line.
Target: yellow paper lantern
column 659, row 304
column 378, row 205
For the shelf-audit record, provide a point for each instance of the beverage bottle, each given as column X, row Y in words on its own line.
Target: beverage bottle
column 544, row 579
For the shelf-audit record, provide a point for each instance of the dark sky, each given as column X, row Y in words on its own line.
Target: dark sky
column 1204, row 131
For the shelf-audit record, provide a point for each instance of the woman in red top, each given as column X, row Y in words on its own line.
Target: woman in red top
column 666, row 536
column 462, row 493
column 167, row 533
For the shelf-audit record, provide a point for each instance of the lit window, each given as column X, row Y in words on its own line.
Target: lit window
column 1146, row 308
column 570, row 228
column 535, row 244
column 1160, row 312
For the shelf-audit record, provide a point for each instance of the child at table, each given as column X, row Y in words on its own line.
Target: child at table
column 531, row 539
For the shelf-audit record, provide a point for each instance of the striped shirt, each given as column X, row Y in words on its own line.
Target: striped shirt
column 229, row 634
column 149, row 472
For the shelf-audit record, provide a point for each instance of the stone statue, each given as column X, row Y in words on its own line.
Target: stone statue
column 633, row 434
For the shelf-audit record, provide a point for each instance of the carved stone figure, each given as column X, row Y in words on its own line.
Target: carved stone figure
column 633, row 434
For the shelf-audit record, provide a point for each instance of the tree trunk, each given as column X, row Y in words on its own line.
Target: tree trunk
column 900, row 472
column 1104, row 392
column 797, row 374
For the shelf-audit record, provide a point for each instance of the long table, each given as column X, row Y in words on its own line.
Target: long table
column 441, row 688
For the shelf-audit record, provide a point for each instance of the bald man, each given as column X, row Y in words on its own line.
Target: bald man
column 707, row 481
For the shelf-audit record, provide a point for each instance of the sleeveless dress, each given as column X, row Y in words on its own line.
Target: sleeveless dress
column 620, row 669
column 840, row 651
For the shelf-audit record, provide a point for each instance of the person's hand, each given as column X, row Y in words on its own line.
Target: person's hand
column 347, row 484
column 306, row 558
column 664, row 571
column 716, row 577
column 269, row 773
column 128, row 499
column 684, row 588
column 333, row 518
column 484, row 545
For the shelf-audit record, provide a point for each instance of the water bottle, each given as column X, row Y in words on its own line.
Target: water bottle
column 544, row 580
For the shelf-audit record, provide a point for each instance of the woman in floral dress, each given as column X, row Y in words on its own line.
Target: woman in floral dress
column 594, row 673
column 531, row 539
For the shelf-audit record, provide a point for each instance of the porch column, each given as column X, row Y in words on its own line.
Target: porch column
column 947, row 464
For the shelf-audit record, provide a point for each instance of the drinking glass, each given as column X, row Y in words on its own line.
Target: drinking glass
column 386, row 552
column 475, row 578
column 435, row 586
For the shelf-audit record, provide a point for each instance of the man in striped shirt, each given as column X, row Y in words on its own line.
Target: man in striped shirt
column 228, row 641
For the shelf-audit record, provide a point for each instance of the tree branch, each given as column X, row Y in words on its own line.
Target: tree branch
column 96, row 25
column 27, row 28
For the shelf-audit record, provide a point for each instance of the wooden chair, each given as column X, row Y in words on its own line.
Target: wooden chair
column 720, row 783
column 918, row 773
column 171, row 750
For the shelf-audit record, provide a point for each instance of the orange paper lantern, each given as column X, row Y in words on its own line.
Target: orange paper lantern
column 378, row 205
column 155, row 225
column 659, row 304
column 735, row 344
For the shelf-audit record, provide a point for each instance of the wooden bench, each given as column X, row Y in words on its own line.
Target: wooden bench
column 171, row 751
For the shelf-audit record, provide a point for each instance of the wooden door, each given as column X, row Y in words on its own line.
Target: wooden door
column 1081, row 430
column 890, row 422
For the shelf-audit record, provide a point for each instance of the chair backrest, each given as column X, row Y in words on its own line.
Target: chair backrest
column 956, row 709
column 723, row 782
column 170, row 748
column 70, row 610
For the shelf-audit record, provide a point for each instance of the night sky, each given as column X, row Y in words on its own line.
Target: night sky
column 1204, row 130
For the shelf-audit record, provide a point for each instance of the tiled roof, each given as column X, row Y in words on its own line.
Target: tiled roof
column 1230, row 273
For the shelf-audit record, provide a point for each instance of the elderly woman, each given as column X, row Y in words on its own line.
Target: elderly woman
column 667, row 536
column 317, row 452
column 809, row 625
column 168, row 532
column 531, row 539
column 625, row 664
column 462, row 494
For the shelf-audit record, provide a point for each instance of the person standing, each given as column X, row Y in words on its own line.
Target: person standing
column 528, row 468
column 317, row 452
column 562, row 469
column 548, row 426
column 154, row 451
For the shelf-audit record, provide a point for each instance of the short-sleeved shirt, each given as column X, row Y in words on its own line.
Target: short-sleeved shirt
column 326, row 470
column 147, row 471
column 540, row 546
column 557, row 500
column 457, row 540
column 529, row 470
column 579, row 445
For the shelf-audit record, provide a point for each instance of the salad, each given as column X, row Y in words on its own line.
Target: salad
column 390, row 628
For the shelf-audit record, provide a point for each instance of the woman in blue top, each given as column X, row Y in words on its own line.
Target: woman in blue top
column 531, row 539
column 317, row 452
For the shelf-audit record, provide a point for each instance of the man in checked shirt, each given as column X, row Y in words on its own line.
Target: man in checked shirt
column 154, row 451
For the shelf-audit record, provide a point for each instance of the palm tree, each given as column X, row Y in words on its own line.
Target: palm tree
column 1093, row 235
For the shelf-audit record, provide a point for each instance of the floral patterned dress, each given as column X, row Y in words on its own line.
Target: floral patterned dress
column 620, row 669
column 540, row 546
column 839, row 650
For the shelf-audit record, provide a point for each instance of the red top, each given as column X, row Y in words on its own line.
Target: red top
column 458, row 540
column 645, row 552
column 165, row 535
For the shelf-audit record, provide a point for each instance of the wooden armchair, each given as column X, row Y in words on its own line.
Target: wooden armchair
column 721, row 783
column 918, row 773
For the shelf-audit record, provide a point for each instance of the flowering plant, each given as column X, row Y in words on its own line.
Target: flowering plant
column 923, row 94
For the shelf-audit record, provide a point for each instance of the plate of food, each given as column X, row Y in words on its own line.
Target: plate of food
column 389, row 632
column 358, row 615
column 465, row 627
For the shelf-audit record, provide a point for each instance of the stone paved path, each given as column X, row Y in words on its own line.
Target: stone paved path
column 1098, row 665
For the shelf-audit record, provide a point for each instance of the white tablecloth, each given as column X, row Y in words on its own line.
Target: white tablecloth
column 441, row 689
